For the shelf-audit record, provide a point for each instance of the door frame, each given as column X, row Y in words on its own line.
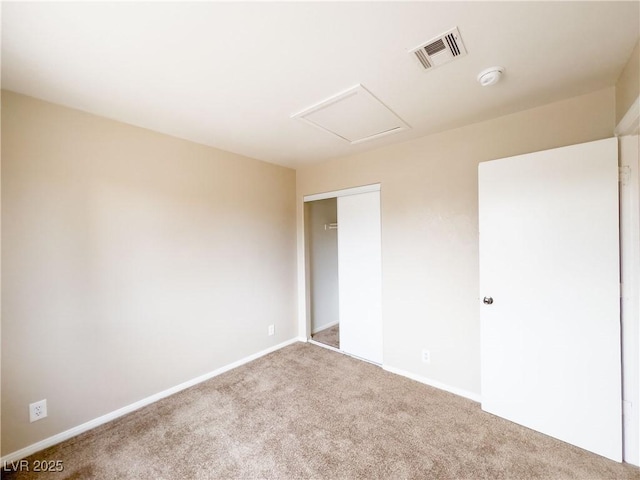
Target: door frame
column 304, row 326
column 629, row 161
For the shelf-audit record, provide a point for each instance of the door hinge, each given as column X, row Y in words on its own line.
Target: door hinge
column 623, row 174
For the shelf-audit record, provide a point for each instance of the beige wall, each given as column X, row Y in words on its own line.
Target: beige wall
column 430, row 226
column 132, row 261
column 628, row 85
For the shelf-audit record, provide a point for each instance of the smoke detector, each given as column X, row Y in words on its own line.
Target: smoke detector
column 490, row 76
column 440, row 50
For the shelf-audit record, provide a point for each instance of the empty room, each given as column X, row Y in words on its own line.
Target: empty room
column 320, row 240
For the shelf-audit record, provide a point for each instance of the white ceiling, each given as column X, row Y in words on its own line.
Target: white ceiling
column 230, row 75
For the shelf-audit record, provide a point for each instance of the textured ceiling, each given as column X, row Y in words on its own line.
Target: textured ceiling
column 230, row 75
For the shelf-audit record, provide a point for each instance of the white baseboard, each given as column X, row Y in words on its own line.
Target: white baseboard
column 324, row 327
column 434, row 383
column 72, row 432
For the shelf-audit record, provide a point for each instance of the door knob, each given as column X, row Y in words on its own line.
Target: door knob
column 487, row 300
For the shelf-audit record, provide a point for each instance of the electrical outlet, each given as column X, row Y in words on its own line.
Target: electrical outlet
column 37, row 410
column 426, row 356
column 272, row 330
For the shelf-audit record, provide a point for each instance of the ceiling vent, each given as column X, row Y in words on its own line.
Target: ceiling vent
column 440, row 50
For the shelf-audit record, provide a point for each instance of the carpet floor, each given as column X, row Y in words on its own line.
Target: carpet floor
column 305, row 412
column 329, row 336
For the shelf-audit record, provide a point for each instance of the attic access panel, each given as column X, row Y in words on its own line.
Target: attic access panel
column 354, row 115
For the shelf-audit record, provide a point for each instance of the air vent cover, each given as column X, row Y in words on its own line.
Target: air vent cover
column 440, row 50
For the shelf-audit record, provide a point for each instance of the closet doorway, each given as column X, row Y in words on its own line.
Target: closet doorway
column 342, row 239
column 321, row 218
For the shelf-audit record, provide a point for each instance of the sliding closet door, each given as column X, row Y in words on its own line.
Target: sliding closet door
column 359, row 274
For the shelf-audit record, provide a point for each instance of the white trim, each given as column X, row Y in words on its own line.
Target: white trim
column 337, row 350
column 374, row 187
column 324, row 345
column 324, row 327
column 630, row 123
column 630, row 295
column 434, row 383
column 96, row 422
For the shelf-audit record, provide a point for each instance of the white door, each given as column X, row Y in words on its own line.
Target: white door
column 549, row 260
column 359, row 275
